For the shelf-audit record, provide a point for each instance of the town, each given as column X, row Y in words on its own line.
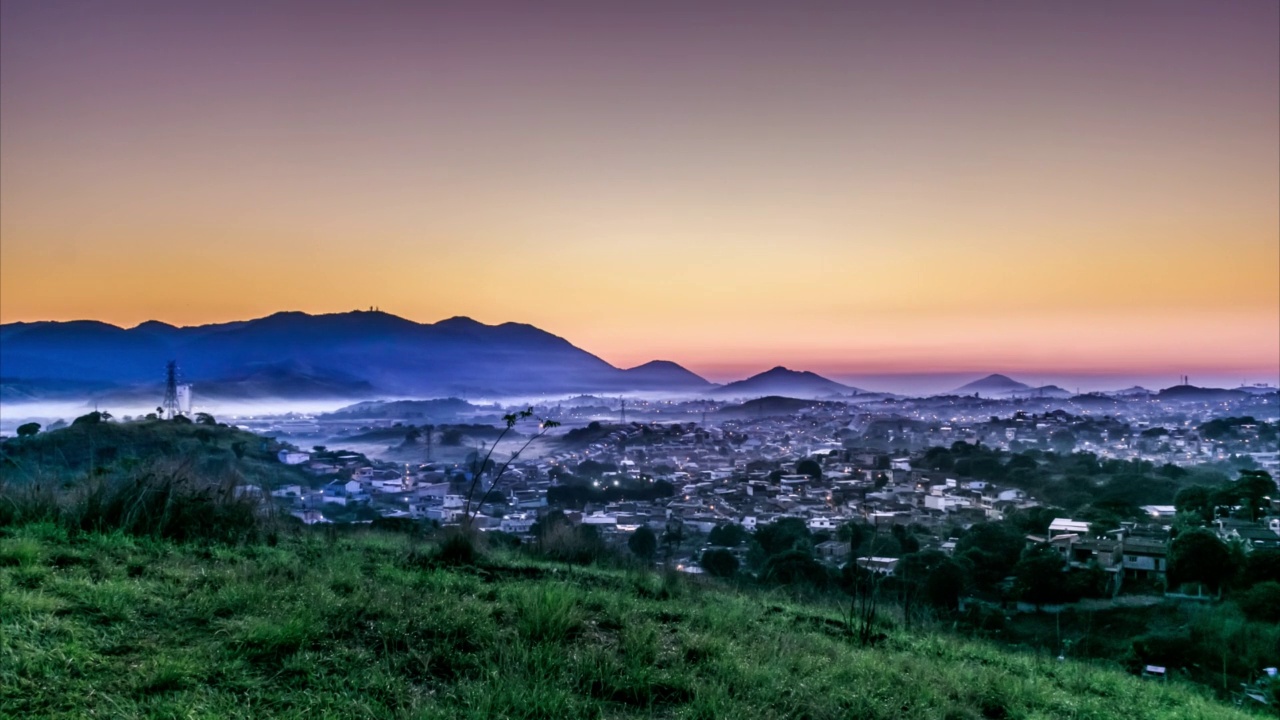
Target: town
column 1103, row 481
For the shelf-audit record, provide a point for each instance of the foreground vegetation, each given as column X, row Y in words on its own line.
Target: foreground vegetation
column 374, row 624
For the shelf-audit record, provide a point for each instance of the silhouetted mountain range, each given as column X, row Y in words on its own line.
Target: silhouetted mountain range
column 293, row 354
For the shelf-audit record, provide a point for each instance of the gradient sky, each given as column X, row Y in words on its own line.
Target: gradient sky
column 843, row 187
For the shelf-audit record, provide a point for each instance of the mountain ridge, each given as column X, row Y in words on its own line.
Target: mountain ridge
column 383, row 354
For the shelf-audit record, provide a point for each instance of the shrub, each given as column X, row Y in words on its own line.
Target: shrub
column 719, row 563
column 549, row 613
column 1261, row 602
column 458, row 547
column 28, row 503
column 163, row 499
column 643, row 543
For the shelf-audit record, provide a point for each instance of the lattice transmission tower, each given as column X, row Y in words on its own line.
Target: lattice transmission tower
column 171, row 389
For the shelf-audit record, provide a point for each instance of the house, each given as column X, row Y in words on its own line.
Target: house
column 292, row 457
column 833, row 550
column 1144, row 558
column 310, row 517
column 1061, row 526
column 823, row 524
column 878, row 565
column 343, row 493
column 287, row 491
column 1160, row 512
column 517, row 524
column 1255, row 535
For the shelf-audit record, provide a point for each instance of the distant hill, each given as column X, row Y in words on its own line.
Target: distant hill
column 992, row 386
column 664, row 375
column 1137, row 391
column 212, row 450
column 297, row 355
column 421, row 411
column 1045, row 391
column 784, row 382
column 770, row 406
column 1191, row 393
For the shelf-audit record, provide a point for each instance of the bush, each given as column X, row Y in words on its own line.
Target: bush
column 564, row 542
column 795, row 567
column 168, row 501
column 163, row 500
column 643, row 543
column 719, row 563
column 458, row 547
column 1261, row 602
column 28, row 503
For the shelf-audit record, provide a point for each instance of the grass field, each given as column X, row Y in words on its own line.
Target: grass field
column 368, row 624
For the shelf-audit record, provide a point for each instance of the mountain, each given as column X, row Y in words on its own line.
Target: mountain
column 784, row 382
column 664, row 375
column 992, row 385
column 298, row 355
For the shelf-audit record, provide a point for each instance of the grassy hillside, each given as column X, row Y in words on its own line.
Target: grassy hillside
column 79, row 450
column 365, row 624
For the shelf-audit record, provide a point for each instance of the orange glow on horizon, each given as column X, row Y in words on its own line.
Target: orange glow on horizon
column 905, row 195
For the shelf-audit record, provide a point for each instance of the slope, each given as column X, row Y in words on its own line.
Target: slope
column 370, row 624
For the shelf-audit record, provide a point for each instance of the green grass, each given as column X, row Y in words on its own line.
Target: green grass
column 357, row 625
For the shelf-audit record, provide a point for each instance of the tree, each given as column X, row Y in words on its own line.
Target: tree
column 1253, row 488
column 28, row 429
column 643, row 543
column 852, row 533
column 1039, row 576
column 1262, row 566
column 795, row 567
column 727, row 535
column 719, row 563
column 945, row 584
column 1199, row 556
column 92, row 418
column 1064, row 441
column 809, row 467
column 782, row 535
column 990, row 550
column 906, row 541
column 1261, row 602
column 1196, row 499
column 911, row 575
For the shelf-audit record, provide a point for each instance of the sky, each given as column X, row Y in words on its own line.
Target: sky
column 849, row 188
